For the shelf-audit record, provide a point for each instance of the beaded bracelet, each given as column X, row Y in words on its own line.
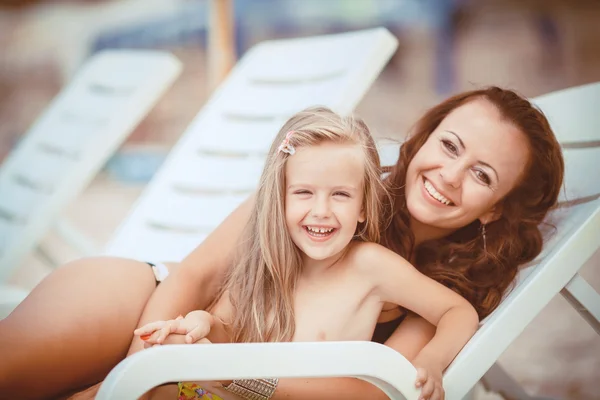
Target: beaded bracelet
column 253, row 389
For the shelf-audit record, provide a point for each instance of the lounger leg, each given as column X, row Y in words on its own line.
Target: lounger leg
column 582, row 296
column 498, row 381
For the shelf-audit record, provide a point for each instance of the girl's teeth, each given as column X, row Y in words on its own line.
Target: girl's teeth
column 437, row 195
column 319, row 230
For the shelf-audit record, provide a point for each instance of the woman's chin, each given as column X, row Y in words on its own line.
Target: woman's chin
column 423, row 213
column 432, row 219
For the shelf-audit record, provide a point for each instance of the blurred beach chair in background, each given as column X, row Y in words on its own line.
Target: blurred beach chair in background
column 67, row 146
column 217, row 162
column 574, row 118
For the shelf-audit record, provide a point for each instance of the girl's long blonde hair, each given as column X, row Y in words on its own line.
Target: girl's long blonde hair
column 262, row 281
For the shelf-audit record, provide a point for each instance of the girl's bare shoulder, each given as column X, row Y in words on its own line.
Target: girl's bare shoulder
column 367, row 253
column 369, row 250
column 370, row 256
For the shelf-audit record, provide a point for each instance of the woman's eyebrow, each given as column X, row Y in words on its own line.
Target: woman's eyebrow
column 480, row 162
column 490, row 167
column 459, row 139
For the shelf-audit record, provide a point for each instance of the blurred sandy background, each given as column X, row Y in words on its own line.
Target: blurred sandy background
column 532, row 46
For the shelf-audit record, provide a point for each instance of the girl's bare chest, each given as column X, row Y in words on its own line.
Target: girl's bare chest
column 335, row 309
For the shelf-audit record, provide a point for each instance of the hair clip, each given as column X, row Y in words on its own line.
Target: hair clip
column 285, row 145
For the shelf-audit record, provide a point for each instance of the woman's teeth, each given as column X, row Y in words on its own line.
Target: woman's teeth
column 435, row 194
column 319, row 231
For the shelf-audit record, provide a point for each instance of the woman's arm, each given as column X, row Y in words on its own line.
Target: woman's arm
column 196, row 282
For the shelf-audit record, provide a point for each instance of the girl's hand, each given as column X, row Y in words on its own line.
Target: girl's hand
column 173, row 338
column 429, row 379
column 195, row 326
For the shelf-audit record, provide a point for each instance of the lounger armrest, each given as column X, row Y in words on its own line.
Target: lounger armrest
column 369, row 361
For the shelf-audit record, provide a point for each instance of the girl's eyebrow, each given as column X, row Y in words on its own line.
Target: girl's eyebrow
column 296, row 185
column 349, row 188
column 480, row 162
column 304, row 185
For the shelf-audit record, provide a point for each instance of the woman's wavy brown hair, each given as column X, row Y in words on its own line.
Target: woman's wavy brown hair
column 459, row 260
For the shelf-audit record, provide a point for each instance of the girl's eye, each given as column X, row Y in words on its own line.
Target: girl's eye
column 301, row 192
column 343, row 194
column 483, row 177
column 450, row 146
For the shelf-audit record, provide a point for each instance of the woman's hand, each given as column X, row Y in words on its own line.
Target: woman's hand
column 195, row 326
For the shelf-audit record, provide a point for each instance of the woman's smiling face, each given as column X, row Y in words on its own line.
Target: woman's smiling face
column 465, row 168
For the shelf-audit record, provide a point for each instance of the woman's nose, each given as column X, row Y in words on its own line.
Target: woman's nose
column 452, row 174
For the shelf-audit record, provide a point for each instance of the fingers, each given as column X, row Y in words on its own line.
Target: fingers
column 156, row 332
column 148, row 329
column 173, row 326
column 427, row 390
column 421, row 377
column 151, row 338
column 438, row 393
column 197, row 333
column 431, row 388
column 152, row 326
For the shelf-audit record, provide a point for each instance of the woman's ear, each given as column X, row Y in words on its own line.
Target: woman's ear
column 494, row 214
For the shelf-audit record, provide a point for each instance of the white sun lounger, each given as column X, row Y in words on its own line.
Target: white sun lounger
column 70, row 142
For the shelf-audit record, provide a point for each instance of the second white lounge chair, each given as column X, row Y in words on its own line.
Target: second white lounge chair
column 70, row 142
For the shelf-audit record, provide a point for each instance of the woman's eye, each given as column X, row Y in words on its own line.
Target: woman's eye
column 483, row 177
column 450, row 146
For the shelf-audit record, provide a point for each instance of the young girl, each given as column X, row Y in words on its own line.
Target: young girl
column 310, row 268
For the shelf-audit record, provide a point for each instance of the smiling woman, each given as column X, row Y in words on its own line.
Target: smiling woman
column 473, row 183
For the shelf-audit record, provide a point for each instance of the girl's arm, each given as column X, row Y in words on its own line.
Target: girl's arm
column 196, row 282
column 397, row 281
